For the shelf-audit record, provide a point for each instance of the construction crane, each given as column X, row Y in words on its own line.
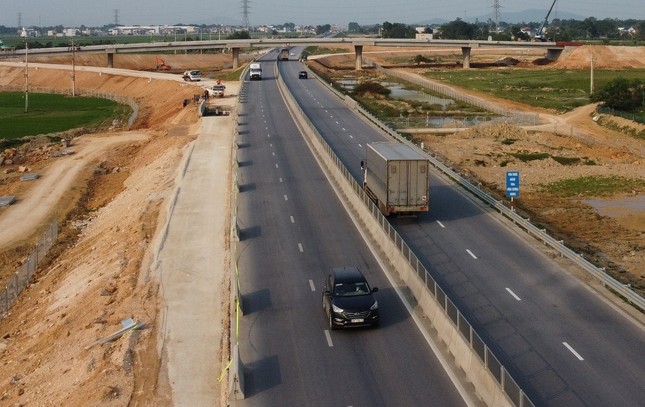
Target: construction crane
column 539, row 35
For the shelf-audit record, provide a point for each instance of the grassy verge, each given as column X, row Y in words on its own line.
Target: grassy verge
column 49, row 113
column 556, row 89
column 595, row 186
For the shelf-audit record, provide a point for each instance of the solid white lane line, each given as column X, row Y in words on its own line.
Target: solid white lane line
column 328, row 336
column 513, row 294
column 292, row 219
column 576, row 354
column 441, row 224
column 311, row 285
column 471, row 254
column 300, row 247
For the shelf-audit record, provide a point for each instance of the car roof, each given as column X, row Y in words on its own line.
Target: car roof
column 347, row 274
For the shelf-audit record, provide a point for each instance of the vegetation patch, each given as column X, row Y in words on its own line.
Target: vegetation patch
column 530, row 156
column 558, row 90
column 48, row 113
column 595, row 186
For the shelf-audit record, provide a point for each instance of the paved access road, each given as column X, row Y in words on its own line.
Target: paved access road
column 561, row 341
column 293, row 229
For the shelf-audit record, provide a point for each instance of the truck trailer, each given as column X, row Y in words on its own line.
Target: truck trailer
column 255, row 71
column 396, row 178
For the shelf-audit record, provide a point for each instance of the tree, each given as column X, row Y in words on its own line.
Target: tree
column 458, row 30
column 323, row 29
column 621, row 94
column 353, row 27
column 397, row 30
column 239, row 35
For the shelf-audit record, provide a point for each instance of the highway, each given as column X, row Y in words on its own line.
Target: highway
column 563, row 344
column 293, row 229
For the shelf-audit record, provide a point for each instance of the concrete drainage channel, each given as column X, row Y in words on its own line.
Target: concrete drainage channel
column 492, row 383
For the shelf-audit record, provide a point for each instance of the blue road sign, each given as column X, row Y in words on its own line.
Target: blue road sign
column 512, row 184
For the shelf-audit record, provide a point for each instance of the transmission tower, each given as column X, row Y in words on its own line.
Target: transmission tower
column 496, row 7
column 245, row 14
column 19, row 20
column 116, row 16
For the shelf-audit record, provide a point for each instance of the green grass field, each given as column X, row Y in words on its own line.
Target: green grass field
column 49, row 113
column 558, row 89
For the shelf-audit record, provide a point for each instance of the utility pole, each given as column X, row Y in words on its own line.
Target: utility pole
column 26, row 75
column 591, row 76
column 73, row 69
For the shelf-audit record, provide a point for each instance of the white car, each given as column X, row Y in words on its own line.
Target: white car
column 192, row 76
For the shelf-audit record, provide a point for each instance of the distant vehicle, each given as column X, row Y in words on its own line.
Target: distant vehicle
column 348, row 299
column 218, row 90
column 192, row 76
column 302, row 75
column 255, row 71
column 283, row 55
column 397, row 178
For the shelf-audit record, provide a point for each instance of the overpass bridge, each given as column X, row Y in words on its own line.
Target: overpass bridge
column 552, row 49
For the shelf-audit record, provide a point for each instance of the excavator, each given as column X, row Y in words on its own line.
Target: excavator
column 539, row 35
column 161, row 65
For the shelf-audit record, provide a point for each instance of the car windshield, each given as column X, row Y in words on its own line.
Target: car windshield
column 351, row 289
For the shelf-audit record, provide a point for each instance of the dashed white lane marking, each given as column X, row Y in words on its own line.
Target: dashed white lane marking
column 328, row 336
column 311, row 285
column 471, row 254
column 513, row 294
column 441, row 224
column 576, row 354
column 286, row 198
column 300, row 247
column 292, row 219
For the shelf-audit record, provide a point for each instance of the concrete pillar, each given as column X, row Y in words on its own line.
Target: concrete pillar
column 553, row 54
column 236, row 58
column 110, row 59
column 358, row 49
column 466, row 53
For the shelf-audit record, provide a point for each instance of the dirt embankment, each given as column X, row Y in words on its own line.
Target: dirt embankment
column 97, row 273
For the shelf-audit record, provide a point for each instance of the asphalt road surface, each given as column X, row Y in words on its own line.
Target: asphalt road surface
column 293, row 229
column 563, row 344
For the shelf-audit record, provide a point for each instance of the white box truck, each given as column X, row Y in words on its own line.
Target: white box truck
column 397, row 178
column 255, row 71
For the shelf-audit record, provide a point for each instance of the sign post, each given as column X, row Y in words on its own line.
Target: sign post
column 512, row 186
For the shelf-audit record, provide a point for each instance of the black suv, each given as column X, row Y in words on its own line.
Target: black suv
column 347, row 299
column 302, row 75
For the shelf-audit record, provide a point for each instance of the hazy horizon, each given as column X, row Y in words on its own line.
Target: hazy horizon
column 71, row 13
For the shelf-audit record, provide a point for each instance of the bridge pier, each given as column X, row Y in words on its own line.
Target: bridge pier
column 110, row 59
column 358, row 50
column 466, row 53
column 236, row 57
column 553, row 54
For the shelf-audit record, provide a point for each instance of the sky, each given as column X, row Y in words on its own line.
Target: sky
column 73, row 13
